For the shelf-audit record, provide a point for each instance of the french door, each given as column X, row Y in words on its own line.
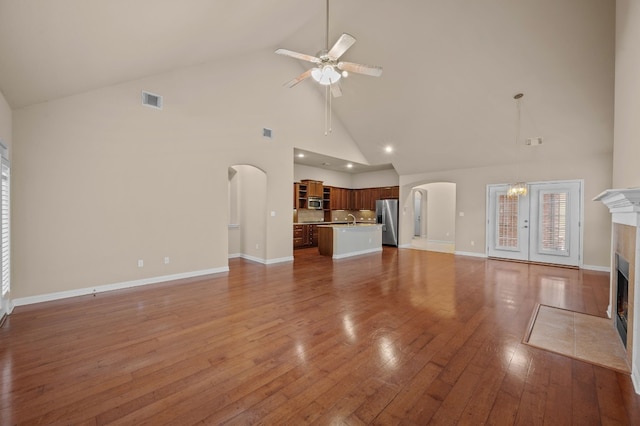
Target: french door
column 543, row 226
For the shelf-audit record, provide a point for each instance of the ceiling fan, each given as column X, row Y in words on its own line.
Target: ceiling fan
column 328, row 68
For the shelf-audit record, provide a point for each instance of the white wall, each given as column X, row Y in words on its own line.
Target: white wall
column 101, row 181
column 471, row 200
column 626, row 172
column 6, row 133
column 376, row 179
column 234, row 213
column 327, row 177
column 347, row 180
column 441, row 211
column 252, row 191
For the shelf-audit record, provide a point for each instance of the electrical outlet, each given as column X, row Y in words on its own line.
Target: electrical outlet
column 166, row 260
column 140, row 263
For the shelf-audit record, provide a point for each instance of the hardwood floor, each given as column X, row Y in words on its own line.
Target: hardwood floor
column 402, row 337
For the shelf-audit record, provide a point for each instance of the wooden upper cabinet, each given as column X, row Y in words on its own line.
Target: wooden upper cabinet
column 326, row 198
column 389, row 192
column 341, row 198
column 374, row 195
column 300, row 194
column 314, row 188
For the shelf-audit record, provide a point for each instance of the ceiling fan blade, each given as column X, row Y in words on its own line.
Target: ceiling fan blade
column 342, row 45
column 371, row 70
column 298, row 79
column 336, row 90
column 297, row 55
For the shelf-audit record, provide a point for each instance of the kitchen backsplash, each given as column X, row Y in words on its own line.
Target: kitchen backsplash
column 304, row 215
column 361, row 215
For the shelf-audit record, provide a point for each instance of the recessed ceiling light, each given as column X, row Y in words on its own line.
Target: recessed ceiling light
column 301, row 155
column 349, row 166
column 388, row 149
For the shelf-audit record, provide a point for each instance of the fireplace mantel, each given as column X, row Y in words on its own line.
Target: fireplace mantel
column 624, row 206
column 623, row 202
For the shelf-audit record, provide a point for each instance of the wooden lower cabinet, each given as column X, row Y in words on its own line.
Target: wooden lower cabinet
column 305, row 236
column 325, row 241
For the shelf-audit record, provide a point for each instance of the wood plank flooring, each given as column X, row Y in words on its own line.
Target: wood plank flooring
column 401, row 337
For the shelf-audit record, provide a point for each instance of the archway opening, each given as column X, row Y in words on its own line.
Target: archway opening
column 247, row 229
column 434, row 216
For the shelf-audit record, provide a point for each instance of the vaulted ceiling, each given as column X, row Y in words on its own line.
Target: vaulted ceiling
column 451, row 67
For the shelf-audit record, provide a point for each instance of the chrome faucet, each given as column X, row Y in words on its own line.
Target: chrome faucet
column 354, row 219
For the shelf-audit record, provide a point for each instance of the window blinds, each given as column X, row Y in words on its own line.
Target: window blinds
column 5, row 243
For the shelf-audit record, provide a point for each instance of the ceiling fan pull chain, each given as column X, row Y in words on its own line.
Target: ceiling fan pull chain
column 326, row 111
column 330, row 97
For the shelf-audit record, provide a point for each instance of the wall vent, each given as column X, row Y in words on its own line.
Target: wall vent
column 152, row 100
column 267, row 133
column 533, row 141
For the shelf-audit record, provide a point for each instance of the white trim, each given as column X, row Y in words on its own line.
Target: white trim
column 596, row 268
column 22, row 301
column 261, row 260
column 280, row 260
column 253, row 258
column 405, row 246
column 357, row 253
column 470, row 253
column 635, row 378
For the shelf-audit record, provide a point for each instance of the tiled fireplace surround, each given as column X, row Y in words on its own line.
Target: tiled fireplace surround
column 624, row 205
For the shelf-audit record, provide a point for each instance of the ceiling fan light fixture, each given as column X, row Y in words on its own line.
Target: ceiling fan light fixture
column 325, row 75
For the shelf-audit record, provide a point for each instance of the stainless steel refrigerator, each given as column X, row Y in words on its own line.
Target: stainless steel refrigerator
column 387, row 215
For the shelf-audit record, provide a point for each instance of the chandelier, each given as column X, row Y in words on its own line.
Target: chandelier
column 517, row 189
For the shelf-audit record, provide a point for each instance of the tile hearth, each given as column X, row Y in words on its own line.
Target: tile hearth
column 585, row 337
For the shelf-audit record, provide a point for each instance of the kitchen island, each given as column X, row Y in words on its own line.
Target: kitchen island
column 345, row 240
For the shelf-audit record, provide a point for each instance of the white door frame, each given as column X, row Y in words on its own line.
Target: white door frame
column 527, row 248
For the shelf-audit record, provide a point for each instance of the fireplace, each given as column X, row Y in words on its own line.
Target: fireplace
column 622, row 296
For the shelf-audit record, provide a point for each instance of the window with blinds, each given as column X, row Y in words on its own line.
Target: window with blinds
column 5, row 229
column 553, row 222
column 507, row 229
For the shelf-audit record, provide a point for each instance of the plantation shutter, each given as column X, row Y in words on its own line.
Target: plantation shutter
column 553, row 222
column 5, row 242
column 507, row 226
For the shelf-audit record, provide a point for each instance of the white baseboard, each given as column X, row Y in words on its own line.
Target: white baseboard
column 253, row 258
column 21, row 301
column 357, row 253
column 470, row 253
column 596, row 268
column 635, row 378
column 261, row 260
column 280, row 260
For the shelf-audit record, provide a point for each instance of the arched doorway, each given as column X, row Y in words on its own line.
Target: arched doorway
column 434, row 216
column 247, row 226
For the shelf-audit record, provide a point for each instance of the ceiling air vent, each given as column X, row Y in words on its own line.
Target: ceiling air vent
column 267, row 133
column 152, row 100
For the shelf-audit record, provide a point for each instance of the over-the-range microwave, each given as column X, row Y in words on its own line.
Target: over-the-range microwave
column 314, row 203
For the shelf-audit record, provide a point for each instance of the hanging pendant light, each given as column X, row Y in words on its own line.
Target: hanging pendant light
column 517, row 189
